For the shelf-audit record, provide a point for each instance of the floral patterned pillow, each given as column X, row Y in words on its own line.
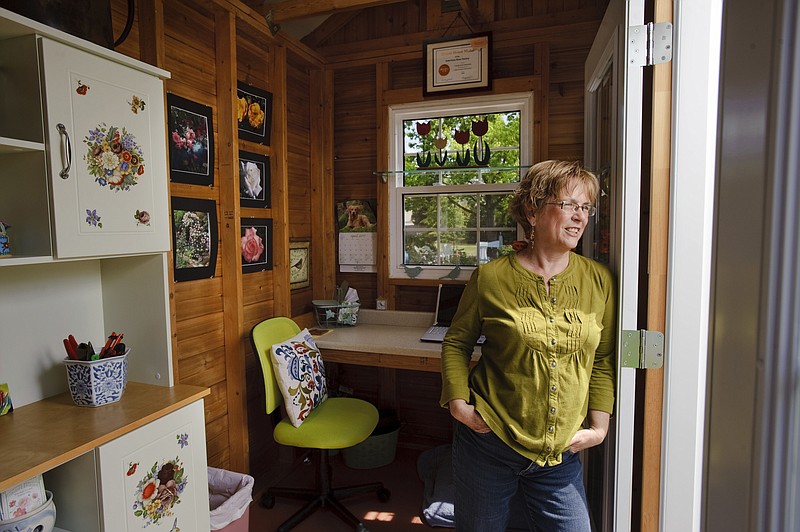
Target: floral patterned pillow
column 301, row 375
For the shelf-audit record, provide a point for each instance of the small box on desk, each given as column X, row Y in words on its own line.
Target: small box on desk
column 97, row 382
column 331, row 313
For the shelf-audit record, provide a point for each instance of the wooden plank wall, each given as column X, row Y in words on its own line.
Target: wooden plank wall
column 328, row 140
column 207, row 46
column 376, row 56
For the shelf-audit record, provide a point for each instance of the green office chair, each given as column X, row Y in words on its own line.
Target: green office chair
column 337, row 423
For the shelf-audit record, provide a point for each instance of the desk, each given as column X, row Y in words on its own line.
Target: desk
column 389, row 340
column 385, row 339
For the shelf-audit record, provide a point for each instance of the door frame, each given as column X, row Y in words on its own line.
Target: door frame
column 610, row 48
column 692, row 172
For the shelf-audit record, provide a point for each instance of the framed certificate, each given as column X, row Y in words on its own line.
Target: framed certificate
column 460, row 64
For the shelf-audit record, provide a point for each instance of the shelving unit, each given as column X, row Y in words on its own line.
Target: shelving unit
column 67, row 276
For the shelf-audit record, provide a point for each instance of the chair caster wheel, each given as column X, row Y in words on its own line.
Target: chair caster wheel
column 384, row 495
column 268, row 501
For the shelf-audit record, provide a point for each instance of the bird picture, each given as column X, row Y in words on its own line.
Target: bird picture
column 412, row 272
column 452, row 274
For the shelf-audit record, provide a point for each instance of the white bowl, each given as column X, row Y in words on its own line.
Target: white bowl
column 42, row 519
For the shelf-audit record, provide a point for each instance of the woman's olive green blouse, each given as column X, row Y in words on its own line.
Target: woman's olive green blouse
column 547, row 359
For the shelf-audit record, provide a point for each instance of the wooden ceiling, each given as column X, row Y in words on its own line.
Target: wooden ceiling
column 297, row 9
column 287, row 10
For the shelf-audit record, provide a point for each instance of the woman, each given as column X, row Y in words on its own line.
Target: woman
column 547, row 364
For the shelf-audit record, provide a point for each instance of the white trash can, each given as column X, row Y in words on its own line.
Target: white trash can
column 229, row 497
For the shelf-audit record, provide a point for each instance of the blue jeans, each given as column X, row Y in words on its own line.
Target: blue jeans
column 487, row 474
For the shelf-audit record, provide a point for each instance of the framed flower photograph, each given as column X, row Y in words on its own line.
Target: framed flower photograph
column 299, row 264
column 254, row 180
column 191, row 141
column 254, row 113
column 256, row 244
column 194, row 238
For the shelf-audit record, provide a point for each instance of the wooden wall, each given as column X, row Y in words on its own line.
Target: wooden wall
column 207, row 47
column 328, row 139
column 375, row 56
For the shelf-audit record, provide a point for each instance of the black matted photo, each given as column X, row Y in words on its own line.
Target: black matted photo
column 254, row 113
column 256, row 244
column 191, row 141
column 254, row 180
column 194, row 238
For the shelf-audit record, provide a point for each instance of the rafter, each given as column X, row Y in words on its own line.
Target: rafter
column 292, row 9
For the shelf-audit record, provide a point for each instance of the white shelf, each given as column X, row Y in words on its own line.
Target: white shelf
column 8, row 145
column 15, row 260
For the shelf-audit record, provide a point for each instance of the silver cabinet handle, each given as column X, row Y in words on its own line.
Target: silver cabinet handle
column 66, row 153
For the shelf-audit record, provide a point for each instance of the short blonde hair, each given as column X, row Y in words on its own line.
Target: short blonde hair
column 544, row 182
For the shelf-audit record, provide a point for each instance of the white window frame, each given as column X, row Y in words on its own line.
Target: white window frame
column 522, row 102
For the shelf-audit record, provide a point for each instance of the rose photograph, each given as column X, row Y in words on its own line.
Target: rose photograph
column 253, row 180
column 191, row 142
column 254, row 113
column 194, row 238
column 256, row 244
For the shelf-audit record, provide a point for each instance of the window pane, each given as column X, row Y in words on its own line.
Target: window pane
column 494, row 211
column 458, row 210
column 421, row 248
column 462, row 141
column 420, row 212
column 494, row 244
column 459, row 247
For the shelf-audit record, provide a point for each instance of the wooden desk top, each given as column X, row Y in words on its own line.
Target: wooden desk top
column 40, row 436
column 385, row 338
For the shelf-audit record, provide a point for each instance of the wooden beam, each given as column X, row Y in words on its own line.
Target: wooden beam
column 152, row 46
column 323, row 245
column 658, row 253
column 248, row 16
column 470, row 14
column 280, row 186
column 292, row 9
column 227, row 146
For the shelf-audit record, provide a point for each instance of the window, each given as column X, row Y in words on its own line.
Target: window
column 453, row 166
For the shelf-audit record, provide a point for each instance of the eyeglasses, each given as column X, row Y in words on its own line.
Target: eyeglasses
column 572, row 208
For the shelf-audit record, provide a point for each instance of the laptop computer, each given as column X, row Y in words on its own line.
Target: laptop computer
column 447, row 300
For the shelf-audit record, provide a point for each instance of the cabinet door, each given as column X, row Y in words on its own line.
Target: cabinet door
column 156, row 477
column 106, row 139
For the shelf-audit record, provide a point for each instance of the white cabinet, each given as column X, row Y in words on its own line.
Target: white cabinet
column 141, row 467
column 87, row 274
column 120, row 282
column 156, row 478
column 107, row 152
column 83, row 169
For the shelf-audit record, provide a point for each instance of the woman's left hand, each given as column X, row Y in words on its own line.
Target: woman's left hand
column 594, row 435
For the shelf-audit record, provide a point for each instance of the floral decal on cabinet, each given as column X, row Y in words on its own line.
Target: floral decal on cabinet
column 159, row 491
column 142, row 217
column 92, row 218
column 113, row 157
column 137, row 104
column 82, row 89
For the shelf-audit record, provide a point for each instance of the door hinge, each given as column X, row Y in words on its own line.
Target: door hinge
column 650, row 44
column 642, row 349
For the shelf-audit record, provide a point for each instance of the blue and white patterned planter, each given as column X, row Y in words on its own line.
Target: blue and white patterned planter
column 97, row 382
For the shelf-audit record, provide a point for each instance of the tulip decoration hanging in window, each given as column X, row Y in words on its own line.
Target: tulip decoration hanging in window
column 480, row 153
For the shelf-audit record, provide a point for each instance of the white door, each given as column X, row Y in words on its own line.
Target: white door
column 155, row 478
column 107, row 149
column 613, row 150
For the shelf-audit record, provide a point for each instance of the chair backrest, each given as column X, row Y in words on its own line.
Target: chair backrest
column 264, row 335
